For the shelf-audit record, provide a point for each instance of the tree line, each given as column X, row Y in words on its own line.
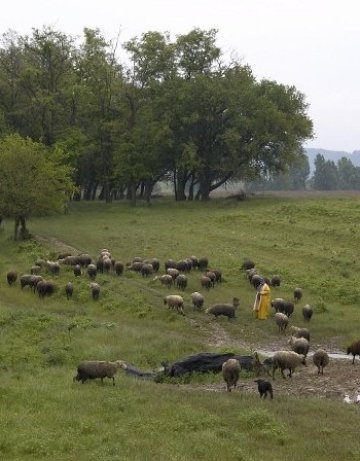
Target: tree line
column 173, row 110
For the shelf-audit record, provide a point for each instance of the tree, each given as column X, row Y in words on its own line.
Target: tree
column 33, row 181
column 325, row 174
column 349, row 175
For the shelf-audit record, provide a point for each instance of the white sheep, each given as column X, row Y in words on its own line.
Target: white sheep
column 286, row 360
column 175, row 302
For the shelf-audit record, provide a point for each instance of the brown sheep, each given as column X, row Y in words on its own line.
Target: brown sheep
column 354, row 349
column 231, row 372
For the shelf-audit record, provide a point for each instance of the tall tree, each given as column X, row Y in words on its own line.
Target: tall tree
column 325, row 174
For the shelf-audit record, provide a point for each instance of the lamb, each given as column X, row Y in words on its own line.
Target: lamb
column 321, row 360
column 92, row 369
column 299, row 345
column 95, row 290
column 91, row 271
column 228, row 310
column 231, row 372
column 197, row 299
column 298, row 294
column 286, row 360
column 264, row 387
column 11, row 277
column 175, row 302
column 300, row 332
column 69, row 289
column 354, row 349
column 307, row 312
column 281, row 321
column 181, row 281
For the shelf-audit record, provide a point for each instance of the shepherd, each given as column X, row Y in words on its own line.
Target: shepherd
column 262, row 300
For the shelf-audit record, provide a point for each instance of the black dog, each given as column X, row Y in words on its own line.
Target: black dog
column 264, row 387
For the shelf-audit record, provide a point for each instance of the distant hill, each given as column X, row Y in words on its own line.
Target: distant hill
column 333, row 155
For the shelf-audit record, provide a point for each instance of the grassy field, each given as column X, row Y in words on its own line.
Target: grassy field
column 311, row 242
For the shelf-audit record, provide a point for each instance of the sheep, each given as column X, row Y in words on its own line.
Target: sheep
column 181, row 281
column 250, row 273
column 69, row 288
column 256, row 280
column 136, row 266
column 77, row 270
column 307, row 312
column 300, row 332
column 197, row 299
column 354, row 349
column 194, row 261
column 173, row 272
column 95, row 290
column 183, row 266
column 281, row 321
column 155, row 264
column 146, row 269
column 107, row 265
column 218, row 275
column 275, row 281
column 321, row 360
column 119, row 268
column 203, row 263
column 29, row 280
column 231, row 372
column 34, row 280
column 286, row 360
column 84, row 260
column 35, row 270
column 53, row 267
column 170, row 263
column 44, row 288
column 11, row 277
column 299, row 345
column 175, row 302
column 92, row 369
column 247, row 264
column 298, row 294
column 226, row 309
column 288, row 308
column 91, row 271
column 165, row 279
column 212, row 277
column 264, row 387
column 205, row 282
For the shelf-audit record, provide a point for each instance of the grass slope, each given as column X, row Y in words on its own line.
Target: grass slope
column 311, row 243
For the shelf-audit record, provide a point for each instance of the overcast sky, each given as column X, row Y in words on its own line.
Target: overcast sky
column 312, row 44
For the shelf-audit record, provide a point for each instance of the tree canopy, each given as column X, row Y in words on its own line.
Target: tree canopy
column 32, row 180
column 174, row 111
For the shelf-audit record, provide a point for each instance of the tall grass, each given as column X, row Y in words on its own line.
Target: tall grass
column 310, row 243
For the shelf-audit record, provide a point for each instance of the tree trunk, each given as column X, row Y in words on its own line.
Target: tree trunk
column 22, row 233
column 133, row 193
column 148, row 190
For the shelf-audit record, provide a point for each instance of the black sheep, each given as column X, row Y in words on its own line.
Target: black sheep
column 354, row 349
column 264, row 387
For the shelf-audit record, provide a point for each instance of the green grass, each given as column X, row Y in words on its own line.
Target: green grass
column 311, row 243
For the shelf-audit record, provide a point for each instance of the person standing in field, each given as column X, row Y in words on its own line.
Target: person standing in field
column 262, row 301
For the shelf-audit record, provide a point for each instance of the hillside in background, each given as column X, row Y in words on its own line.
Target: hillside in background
column 333, row 155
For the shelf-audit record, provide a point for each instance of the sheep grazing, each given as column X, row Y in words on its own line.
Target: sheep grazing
column 275, row 281
column 218, row 275
column 264, row 387
column 181, row 281
column 205, row 282
column 155, row 264
column 175, row 302
column 300, row 332
column 286, row 360
column 83, row 259
column 197, row 299
column 119, row 268
column 195, row 261
column 212, row 277
column 170, row 263
column 307, row 312
column 53, row 267
column 278, row 304
column 256, row 280
column 250, row 273
column 231, row 372
column 354, row 349
column 173, row 272
column 321, row 360
column 35, row 270
column 11, row 277
column 95, row 290
column 92, row 369
column 69, row 289
column 165, row 279
column 225, row 309
column 30, row 280
column 247, row 264
column 45, row 288
column 299, row 345
column 146, row 269
column 77, row 270
column 183, row 265
column 91, row 271
column 281, row 321
column 297, row 294
column 203, row 263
